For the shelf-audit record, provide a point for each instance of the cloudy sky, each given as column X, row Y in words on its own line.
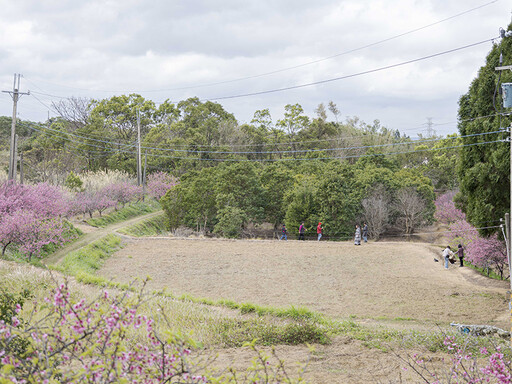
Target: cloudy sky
column 175, row 49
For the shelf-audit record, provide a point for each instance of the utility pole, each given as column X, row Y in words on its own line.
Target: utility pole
column 139, row 162
column 507, row 103
column 144, row 175
column 509, row 256
column 21, row 168
column 15, row 94
column 15, row 169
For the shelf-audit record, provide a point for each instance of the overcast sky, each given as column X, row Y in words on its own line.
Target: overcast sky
column 175, row 49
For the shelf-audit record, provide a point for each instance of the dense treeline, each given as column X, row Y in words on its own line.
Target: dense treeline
column 227, row 198
column 191, row 135
column 233, row 176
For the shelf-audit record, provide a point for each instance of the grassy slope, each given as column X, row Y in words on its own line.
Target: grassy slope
column 151, row 227
column 125, row 213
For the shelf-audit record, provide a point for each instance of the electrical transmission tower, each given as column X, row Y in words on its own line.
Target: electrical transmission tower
column 430, row 131
column 15, row 94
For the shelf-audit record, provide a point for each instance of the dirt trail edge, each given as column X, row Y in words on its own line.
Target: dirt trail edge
column 95, row 235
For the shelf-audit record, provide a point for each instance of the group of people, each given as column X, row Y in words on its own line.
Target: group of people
column 357, row 236
column 319, row 231
column 450, row 257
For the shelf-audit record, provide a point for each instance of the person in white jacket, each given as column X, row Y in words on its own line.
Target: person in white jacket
column 447, row 253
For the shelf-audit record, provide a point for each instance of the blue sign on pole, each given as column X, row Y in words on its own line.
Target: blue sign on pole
column 507, row 95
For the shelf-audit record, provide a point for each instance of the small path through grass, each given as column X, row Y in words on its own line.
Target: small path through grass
column 95, row 235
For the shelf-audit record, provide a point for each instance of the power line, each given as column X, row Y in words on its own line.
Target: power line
column 414, row 142
column 291, row 67
column 257, row 145
column 340, row 77
column 323, row 149
column 307, row 159
column 349, row 76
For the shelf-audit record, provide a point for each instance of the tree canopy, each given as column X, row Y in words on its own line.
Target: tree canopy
column 484, row 170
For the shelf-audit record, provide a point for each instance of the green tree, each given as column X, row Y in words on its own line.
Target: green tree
column 294, row 119
column 302, row 204
column 338, row 199
column 276, row 179
column 231, row 222
column 73, row 182
column 238, row 185
column 484, row 170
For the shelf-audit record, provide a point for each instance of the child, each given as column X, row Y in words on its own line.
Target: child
column 284, row 233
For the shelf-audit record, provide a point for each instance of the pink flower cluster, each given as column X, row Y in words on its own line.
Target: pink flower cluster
column 464, row 366
column 31, row 217
column 110, row 196
column 103, row 341
column 159, row 183
column 446, row 212
column 484, row 252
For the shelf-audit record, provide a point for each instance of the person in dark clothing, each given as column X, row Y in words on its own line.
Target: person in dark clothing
column 284, row 233
column 365, row 233
column 460, row 253
column 302, row 231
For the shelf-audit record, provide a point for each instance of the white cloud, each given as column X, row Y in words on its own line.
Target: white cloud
column 92, row 48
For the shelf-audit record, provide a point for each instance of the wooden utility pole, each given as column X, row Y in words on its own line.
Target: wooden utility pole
column 21, row 168
column 144, row 175
column 15, row 169
column 139, row 162
column 15, row 94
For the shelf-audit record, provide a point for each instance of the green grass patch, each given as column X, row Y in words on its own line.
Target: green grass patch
column 128, row 212
column 83, row 263
column 151, row 227
column 235, row 333
column 487, row 272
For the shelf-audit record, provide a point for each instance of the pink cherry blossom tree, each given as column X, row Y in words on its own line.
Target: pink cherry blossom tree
column 159, row 183
column 30, row 217
column 446, row 212
column 122, row 192
column 488, row 253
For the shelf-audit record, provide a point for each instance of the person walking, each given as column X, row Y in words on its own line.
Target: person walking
column 284, row 233
column 447, row 253
column 319, row 230
column 357, row 236
column 365, row 233
column 460, row 253
column 302, row 230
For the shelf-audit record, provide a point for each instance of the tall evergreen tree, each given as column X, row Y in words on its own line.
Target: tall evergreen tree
column 484, row 170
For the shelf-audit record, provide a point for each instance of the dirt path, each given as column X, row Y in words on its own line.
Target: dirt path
column 93, row 234
column 392, row 281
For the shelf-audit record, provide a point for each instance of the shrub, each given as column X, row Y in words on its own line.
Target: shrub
column 73, row 182
column 231, row 222
column 109, row 340
column 465, row 365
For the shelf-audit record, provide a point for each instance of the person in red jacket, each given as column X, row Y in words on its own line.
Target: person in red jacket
column 319, row 231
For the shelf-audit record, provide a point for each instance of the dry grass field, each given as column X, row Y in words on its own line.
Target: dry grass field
column 373, row 281
column 383, row 285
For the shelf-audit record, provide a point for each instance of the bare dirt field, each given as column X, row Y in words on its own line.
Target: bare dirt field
column 393, row 284
column 371, row 281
